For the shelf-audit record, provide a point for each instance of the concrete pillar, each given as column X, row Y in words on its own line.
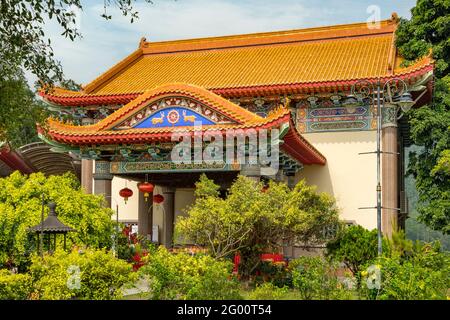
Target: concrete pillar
column 168, row 216
column 103, row 180
column 291, row 182
column 252, row 172
column 145, row 214
column 389, row 173
column 87, row 175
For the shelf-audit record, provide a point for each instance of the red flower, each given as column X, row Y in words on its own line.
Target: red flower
column 133, row 238
column 237, row 261
column 137, row 257
column 126, row 231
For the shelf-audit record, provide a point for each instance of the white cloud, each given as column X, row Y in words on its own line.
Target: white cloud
column 106, row 42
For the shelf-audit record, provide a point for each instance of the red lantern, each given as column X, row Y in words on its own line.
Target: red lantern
column 125, row 193
column 158, row 198
column 146, row 188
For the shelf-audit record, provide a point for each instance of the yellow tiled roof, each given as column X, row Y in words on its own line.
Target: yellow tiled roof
column 265, row 65
column 306, row 56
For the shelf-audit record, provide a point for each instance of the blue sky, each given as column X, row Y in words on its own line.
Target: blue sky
column 104, row 43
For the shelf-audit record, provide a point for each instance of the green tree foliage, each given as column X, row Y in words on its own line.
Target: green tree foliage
column 22, row 38
column 182, row 276
column 24, row 46
column 251, row 221
column 20, row 208
column 14, row 286
column 416, row 230
column 20, row 110
column 89, row 274
column 429, row 29
column 354, row 246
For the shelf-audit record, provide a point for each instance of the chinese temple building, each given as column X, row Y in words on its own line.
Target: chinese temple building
column 295, row 85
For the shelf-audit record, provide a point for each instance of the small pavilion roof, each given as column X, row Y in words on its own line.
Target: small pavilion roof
column 284, row 62
column 51, row 224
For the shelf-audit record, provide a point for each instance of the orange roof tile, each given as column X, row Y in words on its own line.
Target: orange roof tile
column 286, row 58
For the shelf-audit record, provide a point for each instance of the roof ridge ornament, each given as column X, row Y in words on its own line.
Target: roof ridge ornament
column 394, row 18
column 142, row 42
column 52, row 207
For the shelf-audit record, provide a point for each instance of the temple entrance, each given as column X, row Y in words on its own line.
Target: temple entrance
column 184, row 180
column 156, row 221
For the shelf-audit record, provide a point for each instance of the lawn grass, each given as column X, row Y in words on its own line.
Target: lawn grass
column 245, row 292
column 290, row 295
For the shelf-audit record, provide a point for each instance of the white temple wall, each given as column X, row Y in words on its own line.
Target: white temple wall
column 349, row 177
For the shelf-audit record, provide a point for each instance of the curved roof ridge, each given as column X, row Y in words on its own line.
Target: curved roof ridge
column 212, row 100
column 268, row 38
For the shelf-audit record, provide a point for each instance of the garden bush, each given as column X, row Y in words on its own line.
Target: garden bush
column 354, row 246
column 89, row 274
column 408, row 281
column 183, row 276
column 315, row 279
column 409, row 271
column 269, row 291
column 14, row 286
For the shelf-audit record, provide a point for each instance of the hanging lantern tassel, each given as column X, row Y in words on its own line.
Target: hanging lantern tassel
column 125, row 193
column 158, row 198
column 146, row 188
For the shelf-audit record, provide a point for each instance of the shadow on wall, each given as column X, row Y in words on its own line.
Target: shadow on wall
column 317, row 175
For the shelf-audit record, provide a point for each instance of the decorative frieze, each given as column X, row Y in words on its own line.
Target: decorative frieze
column 261, row 106
column 316, row 114
column 174, row 111
column 169, row 166
column 102, row 171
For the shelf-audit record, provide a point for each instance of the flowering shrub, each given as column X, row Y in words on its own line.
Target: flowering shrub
column 183, row 276
column 133, row 248
column 137, row 259
column 276, row 272
column 192, row 250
